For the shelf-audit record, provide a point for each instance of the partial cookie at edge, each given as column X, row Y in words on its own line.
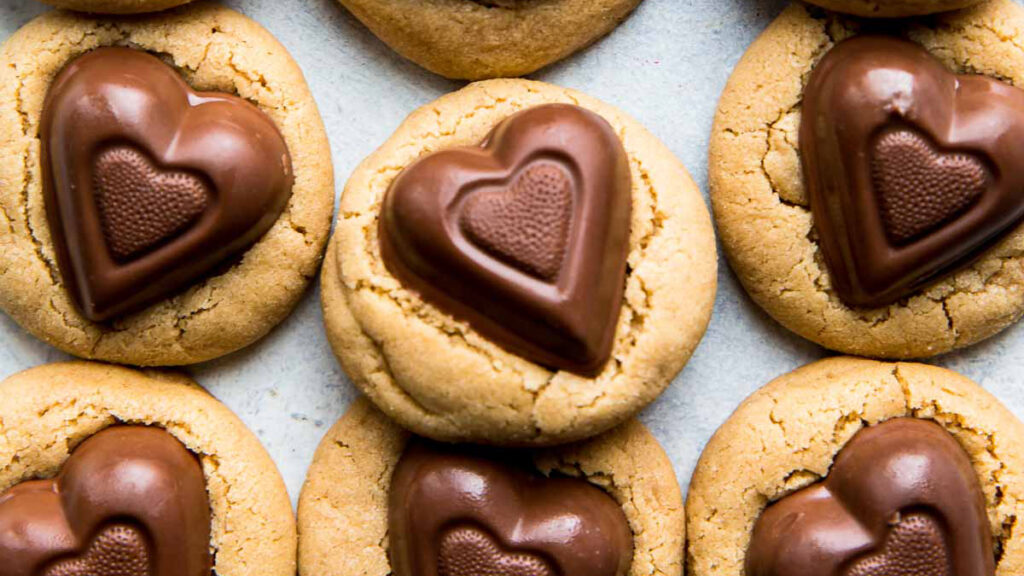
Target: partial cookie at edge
column 47, row 411
column 786, row 435
column 441, row 379
column 115, row 6
column 764, row 218
column 343, row 506
column 892, row 8
column 472, row 40
column 216, row 49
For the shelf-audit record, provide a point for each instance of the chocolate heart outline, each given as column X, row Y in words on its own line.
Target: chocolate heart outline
column 125, row 473
column 508, row 503
column 919, row 467
column 845, row 107
column 568, row 324
column 489, row 544
column 245, row 203
column 517, row 193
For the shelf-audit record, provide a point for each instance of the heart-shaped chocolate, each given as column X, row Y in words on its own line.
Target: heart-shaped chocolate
column 454, row 511
column 130, row 501
column 902, row 499
column 150, row 185
column 524, row 237
column 912, row 171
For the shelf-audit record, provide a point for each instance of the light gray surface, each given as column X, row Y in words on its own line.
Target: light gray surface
column 666, row 66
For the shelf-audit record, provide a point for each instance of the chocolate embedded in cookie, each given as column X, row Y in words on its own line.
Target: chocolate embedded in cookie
column 453, row 512
column 130, row 501
column 902, row 499
column 912, row 171
column 150, row 185
column 524, row 237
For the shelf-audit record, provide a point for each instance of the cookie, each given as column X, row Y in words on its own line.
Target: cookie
column 878, row 229
column 478, row 39
column 165, row 184
column 116, row 6
column 498, row 315
column 374, row 492
column 894, row 465
column 892, row 8
column 138, row 458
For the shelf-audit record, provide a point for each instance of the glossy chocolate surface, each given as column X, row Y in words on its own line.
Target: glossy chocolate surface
column 912, row 171
column 902, row 499
column 149, row 185
column 524, row 237
column 455, row 512
column 130, row 501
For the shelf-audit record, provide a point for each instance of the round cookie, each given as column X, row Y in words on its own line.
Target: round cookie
column 763, row 211
column 48, row 411
column 478, row 39
column 786, row 436
column 214, row 49
column 343, row 509
column 116, row 6
column 892, row 8
column 440, row 378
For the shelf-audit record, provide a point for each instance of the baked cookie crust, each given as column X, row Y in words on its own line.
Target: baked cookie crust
column 763, row 213
column 785, row 436
column 47, row 411
column 478, row 39
column 438, row 377
column 115, row 6
column 892, row 8
column 215, row 49
column 343, row 514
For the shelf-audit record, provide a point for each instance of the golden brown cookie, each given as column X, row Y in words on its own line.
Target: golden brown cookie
column 343, row 510
column 763, row 211
column 46, row 412
column 116, row 6
column 477, row 39
column 892, row 8
column 786, row 436
column 214, row 49
column 440, row 378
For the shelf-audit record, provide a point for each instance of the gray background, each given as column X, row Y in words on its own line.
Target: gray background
column 666, row 66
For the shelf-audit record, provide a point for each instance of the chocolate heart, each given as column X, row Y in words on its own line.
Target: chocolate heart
column 527, row 225
column 130, row 501
column 902, row 499
column 139, row 205
column 524, row 237
column 912, row 171
column 456, row 512
column 149, row 185
column 472, row 552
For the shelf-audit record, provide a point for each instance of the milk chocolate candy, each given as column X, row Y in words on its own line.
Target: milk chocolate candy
column 457, row 512
column 130, row 501
column 524, row 237
column 150, row 185
column 902, row 499
column 912, row 171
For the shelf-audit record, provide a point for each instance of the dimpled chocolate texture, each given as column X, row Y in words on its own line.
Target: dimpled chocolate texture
column 456, row 512
column 912, row 171
column 524, row 237
column 130, row 501
column 902, row 499
column 149, row 185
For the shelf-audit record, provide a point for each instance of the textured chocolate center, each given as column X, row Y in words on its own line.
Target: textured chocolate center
column 119, row 550
column 921, row 188
column 472, row 552
column 141, row 206
column 526, row 225
column 916, row 546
